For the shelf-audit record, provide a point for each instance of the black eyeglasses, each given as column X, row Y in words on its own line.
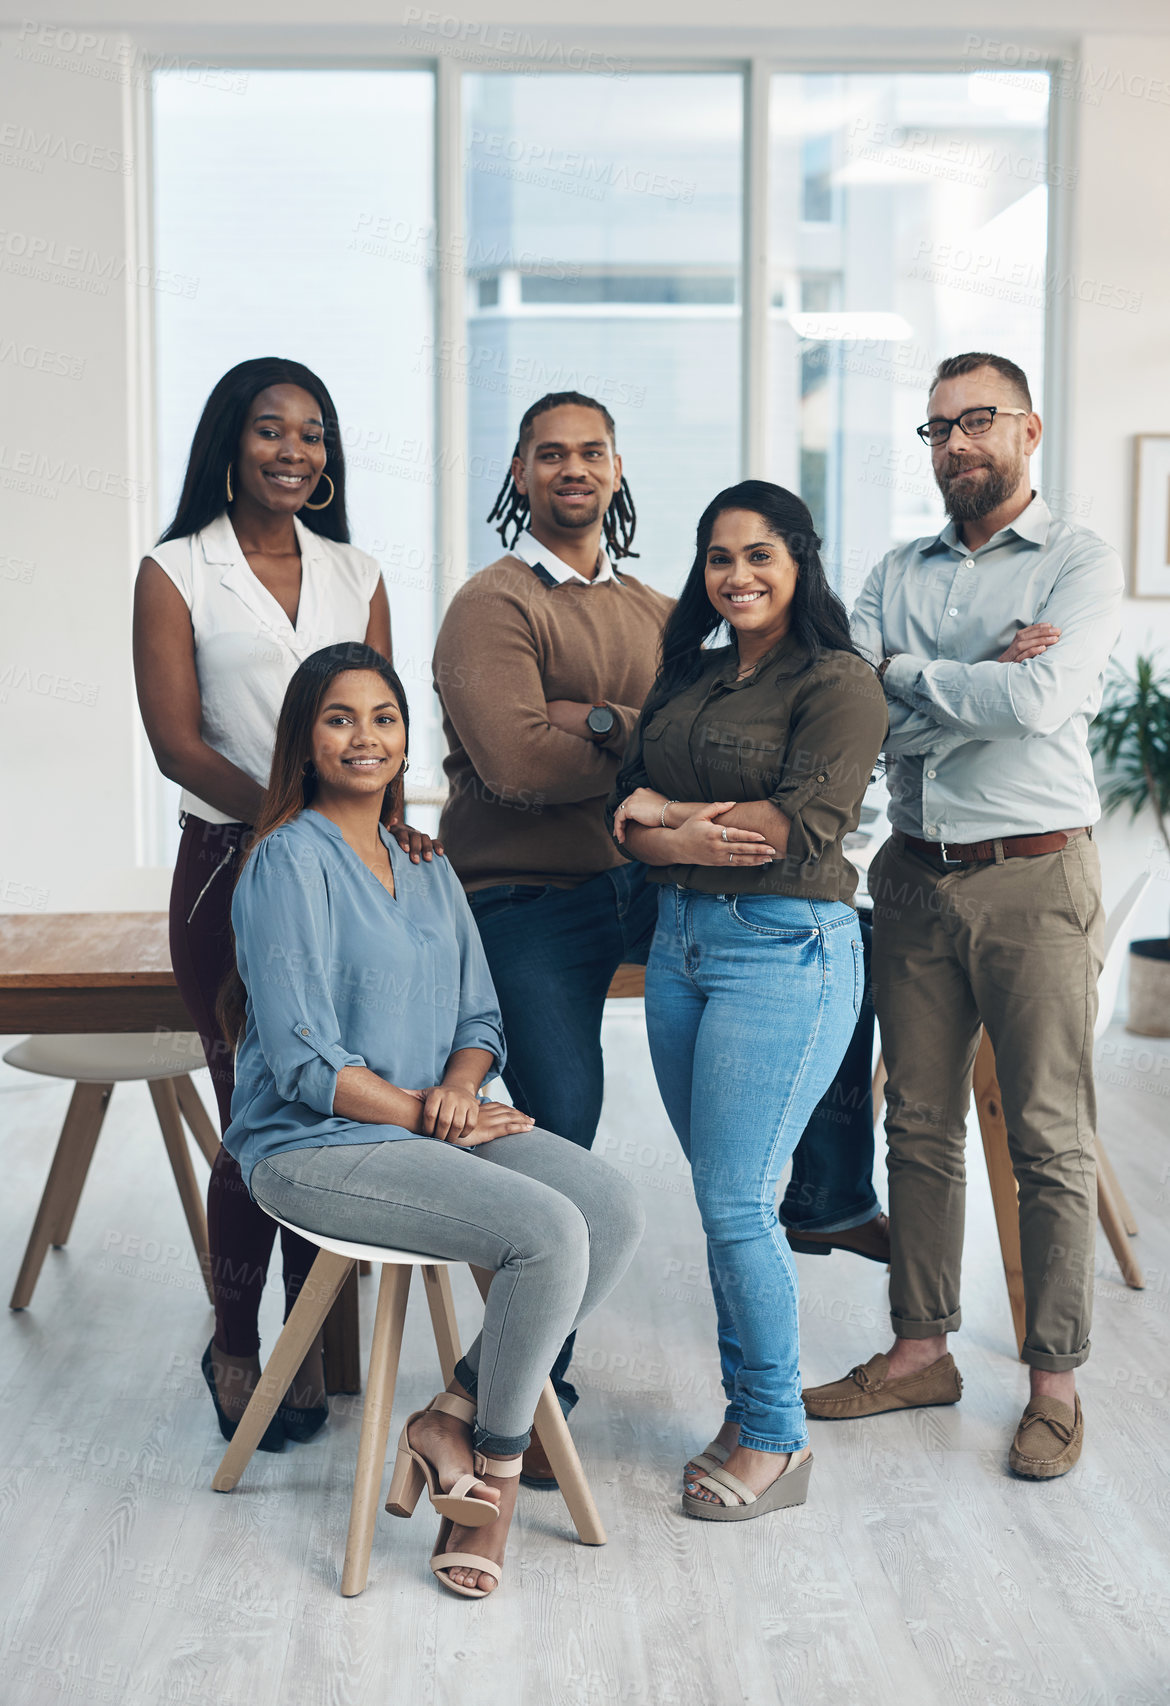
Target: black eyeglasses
column 974, row 422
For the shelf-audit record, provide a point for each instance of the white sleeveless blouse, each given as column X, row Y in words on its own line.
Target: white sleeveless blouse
column 246, row 649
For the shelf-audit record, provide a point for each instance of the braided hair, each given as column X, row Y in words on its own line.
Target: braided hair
column 511, row 505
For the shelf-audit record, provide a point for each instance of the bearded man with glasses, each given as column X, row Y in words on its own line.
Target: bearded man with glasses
column 991, row 640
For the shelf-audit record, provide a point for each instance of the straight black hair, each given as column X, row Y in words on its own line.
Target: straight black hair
column 217, row 442
column 818, row 619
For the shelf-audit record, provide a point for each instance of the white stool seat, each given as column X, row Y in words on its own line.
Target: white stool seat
column 101, row 1057
column 358, row 1252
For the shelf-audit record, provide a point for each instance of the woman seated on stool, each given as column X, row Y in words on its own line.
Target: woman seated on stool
column 369, row 1026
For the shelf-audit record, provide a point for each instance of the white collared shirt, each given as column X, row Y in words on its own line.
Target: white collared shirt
column 531, row 551
column 246, row 649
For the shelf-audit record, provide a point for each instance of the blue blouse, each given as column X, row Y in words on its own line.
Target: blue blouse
column 340, row 973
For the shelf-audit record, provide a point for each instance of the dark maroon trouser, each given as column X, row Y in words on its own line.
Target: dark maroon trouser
column 239, row 1234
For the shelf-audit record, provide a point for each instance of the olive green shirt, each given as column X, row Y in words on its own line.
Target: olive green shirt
column 802, row 734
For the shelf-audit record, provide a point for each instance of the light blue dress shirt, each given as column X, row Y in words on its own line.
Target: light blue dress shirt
column 978, row 749
column 340, row 973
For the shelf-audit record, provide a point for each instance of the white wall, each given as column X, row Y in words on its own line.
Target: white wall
column 76, row 516
column 71, row 494
column 1120, row 362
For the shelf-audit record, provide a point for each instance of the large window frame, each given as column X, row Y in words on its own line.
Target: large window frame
column 451, row 529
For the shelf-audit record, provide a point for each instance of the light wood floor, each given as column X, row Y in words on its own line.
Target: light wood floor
column 918, row 1573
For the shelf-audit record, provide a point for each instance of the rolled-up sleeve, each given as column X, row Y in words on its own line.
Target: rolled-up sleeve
column 478, row 1023
column 280, row 914
column 630, row 777
column 836, row 732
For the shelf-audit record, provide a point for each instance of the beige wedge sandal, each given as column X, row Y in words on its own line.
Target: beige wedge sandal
column 713, row 1456
column 443, row 1561
column 737, row 1502
column 412, row 1473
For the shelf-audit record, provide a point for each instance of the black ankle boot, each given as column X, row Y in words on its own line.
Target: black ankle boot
column 273, row 1438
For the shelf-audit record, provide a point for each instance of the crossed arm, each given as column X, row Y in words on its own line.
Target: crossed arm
column 1029, row 689
column 691, row 832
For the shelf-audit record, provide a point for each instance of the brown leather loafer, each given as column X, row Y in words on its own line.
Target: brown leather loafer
column 871, row 1239
column 536, row 1470
column 1048, row 1440
column 866, row 1390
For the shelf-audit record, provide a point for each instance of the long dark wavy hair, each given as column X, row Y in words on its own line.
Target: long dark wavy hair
column 511, row 506
column 818, row 618
column 292, row 781
column 217, row 442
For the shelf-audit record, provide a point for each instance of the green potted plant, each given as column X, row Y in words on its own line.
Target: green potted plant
column 1132, row 738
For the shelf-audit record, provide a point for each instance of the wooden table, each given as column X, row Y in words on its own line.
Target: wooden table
column 81, row 972
column 87, row 971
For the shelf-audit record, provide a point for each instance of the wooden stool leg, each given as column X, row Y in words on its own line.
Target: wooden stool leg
column 192, row 1109
column 343, row 1352
column 1004, row 1193
column 441, row 1304
column 325, row 1280
column 70, row 1163
column 552, row 1430
column 1110, row 1217
column 79, row 1170
column 1105, row 1167
column 380, row 1382
column 166, row 1106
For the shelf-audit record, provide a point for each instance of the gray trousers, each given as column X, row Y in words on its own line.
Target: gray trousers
column 556, row 1224
column 1016, row 947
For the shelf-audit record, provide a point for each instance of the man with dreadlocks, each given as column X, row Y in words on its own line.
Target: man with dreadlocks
column 542, row 664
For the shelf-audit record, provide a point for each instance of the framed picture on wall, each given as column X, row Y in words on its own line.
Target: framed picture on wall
column 1151, row 515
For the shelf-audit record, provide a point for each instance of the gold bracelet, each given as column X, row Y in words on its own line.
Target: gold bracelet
column 662, row 823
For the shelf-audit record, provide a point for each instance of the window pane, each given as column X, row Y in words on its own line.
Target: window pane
column 908, row 222
column 303, row 207
column 603, row 256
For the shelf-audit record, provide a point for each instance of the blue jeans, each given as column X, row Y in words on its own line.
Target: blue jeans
column 750, row 1003
column 831, row 1186
column 552, row 955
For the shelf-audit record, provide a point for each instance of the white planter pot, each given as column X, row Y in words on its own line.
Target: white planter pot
column 1149, row 994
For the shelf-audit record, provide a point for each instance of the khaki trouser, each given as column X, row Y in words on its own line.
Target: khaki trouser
column 1018, row 946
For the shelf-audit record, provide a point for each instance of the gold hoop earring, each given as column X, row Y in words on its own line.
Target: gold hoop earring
column 328, row 500
column 231, row 494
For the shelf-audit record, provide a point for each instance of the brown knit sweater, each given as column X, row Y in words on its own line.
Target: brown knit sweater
column 527, row 801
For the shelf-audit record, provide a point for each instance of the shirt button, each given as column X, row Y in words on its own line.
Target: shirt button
column 970, row 563
column 953, row 611
column 932, row 829
column 930, row 775
column 304, row 1030
column 822, row 778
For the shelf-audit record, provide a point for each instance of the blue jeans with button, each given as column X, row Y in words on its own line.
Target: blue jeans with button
column 552, row 954
column 750, row 1004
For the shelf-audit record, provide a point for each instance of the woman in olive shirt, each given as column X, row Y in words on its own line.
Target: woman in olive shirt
column 745, row 773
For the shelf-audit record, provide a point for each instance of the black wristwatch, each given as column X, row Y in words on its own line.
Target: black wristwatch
column 601, row 722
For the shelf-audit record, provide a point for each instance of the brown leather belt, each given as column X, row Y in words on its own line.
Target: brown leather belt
column 983, row 852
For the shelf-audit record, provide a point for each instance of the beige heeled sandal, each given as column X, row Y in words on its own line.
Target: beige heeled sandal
column 442, row 1561
column 737, row 1502
column 412, row 1472
column 713, row 1456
